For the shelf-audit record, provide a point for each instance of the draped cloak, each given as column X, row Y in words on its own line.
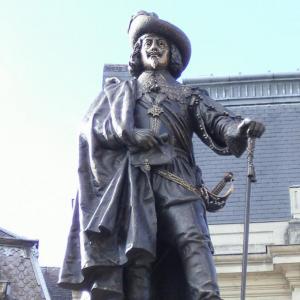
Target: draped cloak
column 114, row 214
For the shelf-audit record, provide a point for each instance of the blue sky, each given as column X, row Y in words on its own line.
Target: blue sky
column 51, row 59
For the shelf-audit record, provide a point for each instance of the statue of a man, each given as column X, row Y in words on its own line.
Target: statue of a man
column 139, row 229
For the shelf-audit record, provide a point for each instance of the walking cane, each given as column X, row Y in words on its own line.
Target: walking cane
column 250, row 178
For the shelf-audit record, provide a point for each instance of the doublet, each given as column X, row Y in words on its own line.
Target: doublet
column 165, row 112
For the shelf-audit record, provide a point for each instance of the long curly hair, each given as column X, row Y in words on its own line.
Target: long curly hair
column 135, row 65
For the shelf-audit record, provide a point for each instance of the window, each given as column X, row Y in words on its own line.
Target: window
column 295, row 201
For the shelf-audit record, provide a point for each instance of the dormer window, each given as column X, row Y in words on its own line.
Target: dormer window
column 295, row 201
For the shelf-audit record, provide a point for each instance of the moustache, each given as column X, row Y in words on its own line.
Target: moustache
column 154, row 53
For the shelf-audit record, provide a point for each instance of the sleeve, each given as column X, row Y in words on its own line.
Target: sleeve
column 216, row 126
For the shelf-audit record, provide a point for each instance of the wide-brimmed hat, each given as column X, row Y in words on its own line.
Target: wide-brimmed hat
column 144, row 22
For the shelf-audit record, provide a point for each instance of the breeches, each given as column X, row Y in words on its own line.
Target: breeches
column 182, row 227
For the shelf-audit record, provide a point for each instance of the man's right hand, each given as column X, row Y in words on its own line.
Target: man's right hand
column 146, row 139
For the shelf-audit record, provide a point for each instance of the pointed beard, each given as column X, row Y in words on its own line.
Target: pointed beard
column 154, row 62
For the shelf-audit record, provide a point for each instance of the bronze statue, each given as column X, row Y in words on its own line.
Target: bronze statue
column 139, row 229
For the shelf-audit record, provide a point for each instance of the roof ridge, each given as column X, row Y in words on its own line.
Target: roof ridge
column 8, row 234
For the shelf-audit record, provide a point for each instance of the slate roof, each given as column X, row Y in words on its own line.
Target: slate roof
column 19, row 267
column 51, row 278
column 277, row 166
column 275, row 100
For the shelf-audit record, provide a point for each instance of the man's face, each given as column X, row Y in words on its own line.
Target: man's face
column 155, row 52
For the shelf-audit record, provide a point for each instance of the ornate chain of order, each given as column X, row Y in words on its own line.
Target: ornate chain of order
column 155, row 110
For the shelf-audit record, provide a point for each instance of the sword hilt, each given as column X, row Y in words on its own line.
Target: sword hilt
column 250, row 157
column 221, row 185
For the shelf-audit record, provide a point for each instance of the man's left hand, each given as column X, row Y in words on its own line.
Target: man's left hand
column 251, row 128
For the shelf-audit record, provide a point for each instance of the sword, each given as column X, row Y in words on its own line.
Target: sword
column 250, row 178
column 212, row 200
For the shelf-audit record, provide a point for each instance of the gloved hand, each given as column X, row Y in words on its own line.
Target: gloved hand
column 251, row 128
column 236, row 136
column 146, row 139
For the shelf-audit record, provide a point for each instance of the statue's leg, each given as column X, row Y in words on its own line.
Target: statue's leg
column 137, row 281
column 185, row 224
column 107, row 284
